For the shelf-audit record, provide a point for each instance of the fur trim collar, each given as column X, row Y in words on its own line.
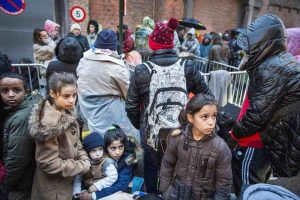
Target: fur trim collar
column 46, row 122
column 136, row 152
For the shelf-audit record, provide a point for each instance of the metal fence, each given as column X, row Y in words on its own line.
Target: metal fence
column 205, row 66
column 35, row 81
column 239, row 85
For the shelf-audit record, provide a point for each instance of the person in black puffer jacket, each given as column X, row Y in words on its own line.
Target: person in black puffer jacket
column 68, row 52
column 138, row 93
column 274, row 97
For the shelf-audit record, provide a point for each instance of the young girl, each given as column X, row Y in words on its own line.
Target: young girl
column 197, row 162
column 43, row 47
column 123, row 150
column 59, row 152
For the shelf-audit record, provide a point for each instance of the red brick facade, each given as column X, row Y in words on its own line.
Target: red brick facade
column 216, row 15
column 85, row 5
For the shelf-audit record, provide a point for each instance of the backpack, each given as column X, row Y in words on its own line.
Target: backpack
column 167, row 97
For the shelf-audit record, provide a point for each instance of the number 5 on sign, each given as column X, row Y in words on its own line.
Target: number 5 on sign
column 77, row 13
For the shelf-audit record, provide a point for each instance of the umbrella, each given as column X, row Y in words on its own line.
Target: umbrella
column 238, row 30
column 192, row 23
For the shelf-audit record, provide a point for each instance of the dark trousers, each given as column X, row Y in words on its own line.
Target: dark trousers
column 250, row 166
column 152, row 161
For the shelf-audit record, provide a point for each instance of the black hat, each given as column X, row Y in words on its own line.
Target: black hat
column 92, row 141
column 107, row 39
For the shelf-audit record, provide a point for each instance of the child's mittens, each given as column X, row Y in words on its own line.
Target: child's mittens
column 92, row 189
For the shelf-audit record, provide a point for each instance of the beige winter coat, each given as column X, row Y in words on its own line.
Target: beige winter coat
column 42, row 53
column 59, row 152
column 102, row 75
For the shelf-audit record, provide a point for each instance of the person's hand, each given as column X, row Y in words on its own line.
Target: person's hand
column 92, row 189
column 85, row 196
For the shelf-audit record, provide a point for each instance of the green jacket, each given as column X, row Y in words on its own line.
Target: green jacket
column 18, row 148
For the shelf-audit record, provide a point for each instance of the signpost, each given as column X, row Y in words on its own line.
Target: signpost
column 12, row 7
column 78, row 14
column 122, row 11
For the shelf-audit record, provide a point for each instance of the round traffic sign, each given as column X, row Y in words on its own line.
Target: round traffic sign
column 12, row 7
column 77, row 13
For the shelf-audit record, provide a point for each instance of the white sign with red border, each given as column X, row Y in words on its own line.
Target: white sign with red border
column 78, row 14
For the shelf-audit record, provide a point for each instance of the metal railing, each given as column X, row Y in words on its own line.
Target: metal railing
column 205, row 66
column 239, row 85
column 35, row 81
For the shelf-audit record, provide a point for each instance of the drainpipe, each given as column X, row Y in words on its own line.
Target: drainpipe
column 121, row 14
column 250, row 14
column 188, row 8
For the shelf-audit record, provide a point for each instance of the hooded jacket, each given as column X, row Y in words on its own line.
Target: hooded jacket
column 102, row 88
column 204, row 166
column 190, row 45
column 128, row 44
column 50, row 26
column 59, row 153
column 293, row 42
column 138, row 92
column 263, row 191
column 68, row 52
column 142, row 35
column 273, row 84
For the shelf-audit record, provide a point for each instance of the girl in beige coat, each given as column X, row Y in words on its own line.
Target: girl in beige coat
column 59, row 153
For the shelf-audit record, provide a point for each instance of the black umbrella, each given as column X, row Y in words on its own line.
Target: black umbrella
column 238, row 30
column 192, row 23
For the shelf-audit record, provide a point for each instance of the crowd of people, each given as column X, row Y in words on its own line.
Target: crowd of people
column 143, row 120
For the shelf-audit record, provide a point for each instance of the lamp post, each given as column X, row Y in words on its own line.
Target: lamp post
column 121, row 14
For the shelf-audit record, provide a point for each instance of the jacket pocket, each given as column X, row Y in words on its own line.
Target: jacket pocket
column 49, row 181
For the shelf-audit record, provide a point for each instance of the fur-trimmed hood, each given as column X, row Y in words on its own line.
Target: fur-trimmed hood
column 133, row 153
column 46, row 122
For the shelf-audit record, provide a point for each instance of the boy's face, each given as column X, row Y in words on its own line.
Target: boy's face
column 96, row 153
column 12, row 91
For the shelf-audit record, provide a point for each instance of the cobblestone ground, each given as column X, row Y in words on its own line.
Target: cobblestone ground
column 292, row 184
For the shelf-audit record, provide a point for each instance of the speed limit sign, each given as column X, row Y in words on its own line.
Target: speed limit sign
column 77, row 14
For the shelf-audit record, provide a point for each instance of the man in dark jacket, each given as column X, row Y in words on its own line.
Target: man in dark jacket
column 274, row 105
column 161, row 42
column 68, row 52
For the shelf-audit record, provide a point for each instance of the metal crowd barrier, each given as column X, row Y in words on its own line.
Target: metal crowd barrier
column 239, row 85
column 205, row 66
column 36, row 82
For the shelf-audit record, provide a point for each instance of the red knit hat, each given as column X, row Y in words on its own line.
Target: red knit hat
column 163, row 35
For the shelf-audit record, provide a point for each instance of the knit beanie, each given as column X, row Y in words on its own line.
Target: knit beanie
column 163, row 35
column 92, row 141
column 75, row 26
column 106, row 39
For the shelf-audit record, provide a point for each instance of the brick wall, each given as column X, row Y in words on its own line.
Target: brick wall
column 290, row 16
column 218, row 15
column 170, row 8
column 106, row 12
column 85, row 5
